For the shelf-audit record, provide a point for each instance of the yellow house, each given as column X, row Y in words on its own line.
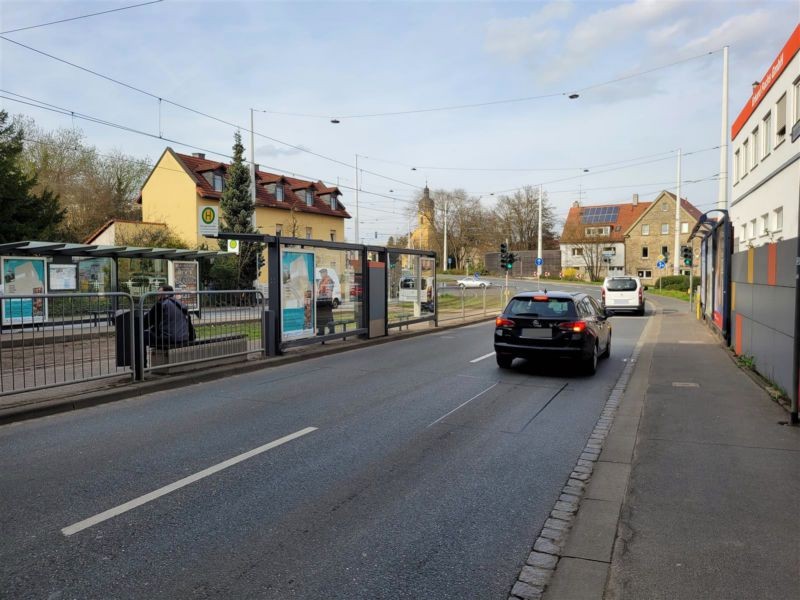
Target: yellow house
column 180, row 184
column 126, row 233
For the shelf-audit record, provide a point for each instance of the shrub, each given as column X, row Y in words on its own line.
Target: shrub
column 673, row 282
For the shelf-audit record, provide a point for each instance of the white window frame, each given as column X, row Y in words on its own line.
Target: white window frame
column 309, row 198
column 745, row 158
column 755, row 150
column 333, row 202
column 778, row 214
column 737, row 166
column 215, row 178
column 278, row 229
column 665, row 229
column 645, row 228
column 684, row 227
column 780, row 137
column 309, row 233
column 764, row 230
column 279, row 192
column 796, row 88
column 333, row 235
column 752, row 229
column 577, row 251
column 644, row 274
column 744, row 231
column 767, row 123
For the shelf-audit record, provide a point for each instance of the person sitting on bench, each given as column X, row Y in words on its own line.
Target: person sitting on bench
column 167, row 323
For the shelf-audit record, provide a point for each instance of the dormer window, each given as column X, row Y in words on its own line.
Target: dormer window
column 309, row 198
column 217, row 182
column 279, row 192
column 333, row 201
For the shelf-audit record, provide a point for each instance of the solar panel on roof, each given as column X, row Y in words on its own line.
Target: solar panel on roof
column 600, row 214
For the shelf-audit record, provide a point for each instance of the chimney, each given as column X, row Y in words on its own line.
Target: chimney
column 755, row 86
column 198, row 155
column 576, row 204
column 636, row 199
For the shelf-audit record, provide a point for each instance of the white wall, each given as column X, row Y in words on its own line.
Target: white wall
column 782, row 189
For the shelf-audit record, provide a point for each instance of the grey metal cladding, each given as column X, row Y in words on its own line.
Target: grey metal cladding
column 773, row 307
column 744, row 299
column 771, row 350
column 739, row 266
column 787, row 253
column 760, row 262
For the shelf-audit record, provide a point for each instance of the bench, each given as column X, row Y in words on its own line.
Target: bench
column 218, row 346
column 108, row 312
column 332, row 325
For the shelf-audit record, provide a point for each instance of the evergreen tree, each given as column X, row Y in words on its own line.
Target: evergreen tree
column 237, row 209
column 24, row 215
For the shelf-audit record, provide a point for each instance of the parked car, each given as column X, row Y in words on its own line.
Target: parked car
column 473, row 282
column 623, row 293
column 553, row 324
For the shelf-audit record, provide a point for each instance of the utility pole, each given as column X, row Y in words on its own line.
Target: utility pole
column 676, row 248
column 358, row 239
column 505, row 287
column 722, row 194
column 252, row 171
column 446, row 256
column 539, row 237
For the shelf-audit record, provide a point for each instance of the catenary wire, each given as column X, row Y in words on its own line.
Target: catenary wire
column 102, row 12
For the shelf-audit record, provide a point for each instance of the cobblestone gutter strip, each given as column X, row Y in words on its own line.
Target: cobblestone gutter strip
column 542, row 561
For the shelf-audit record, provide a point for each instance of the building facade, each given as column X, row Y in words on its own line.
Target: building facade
column 424, row 234
column 765, row 140
column 593, row 240
column 180, row 185
column 650, row 239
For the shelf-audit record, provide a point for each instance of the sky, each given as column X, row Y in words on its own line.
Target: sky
column 648, row 74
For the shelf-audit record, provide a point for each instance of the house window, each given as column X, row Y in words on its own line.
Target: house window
column 217, row 182
column 644, row 274
column 610, row 250
column 767, row 122
column 765, row 224
column 279, row 192
column 684, row 227
column 752, row 229
column 756, row 148
column 744, row 231
column 780, row 120
column 333, row 235
column 778, row 218
column 664, row 207
column 309, row 198
column 664, row 228
column 745, row 157
column 577, row 252
column 646, row 229
column 598, row 231
column 278, row 229
column 797, row 101
column 308, row 233
column 333, row 202
column 645, row 252
column 737, row 166
column 665, row 251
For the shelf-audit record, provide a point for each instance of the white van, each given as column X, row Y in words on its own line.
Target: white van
column 336, row 295
column 623, row 293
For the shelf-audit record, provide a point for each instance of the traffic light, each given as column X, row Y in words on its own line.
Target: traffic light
column 510, row 260
column 503, row 255
column 686, row 254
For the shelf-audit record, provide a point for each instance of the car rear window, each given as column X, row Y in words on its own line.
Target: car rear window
column 621, row 285
column 552, row 307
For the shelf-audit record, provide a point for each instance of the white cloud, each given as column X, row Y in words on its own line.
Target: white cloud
column 520, row 37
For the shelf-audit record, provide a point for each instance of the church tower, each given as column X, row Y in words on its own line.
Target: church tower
column 424, row 235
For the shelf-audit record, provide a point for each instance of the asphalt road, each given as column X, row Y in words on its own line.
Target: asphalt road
column 428, row 475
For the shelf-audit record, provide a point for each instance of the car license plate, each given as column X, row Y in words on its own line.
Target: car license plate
column 543, row 333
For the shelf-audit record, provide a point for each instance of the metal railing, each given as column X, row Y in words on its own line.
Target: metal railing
column 454, row 302
column 184, row 328
column 50, row 340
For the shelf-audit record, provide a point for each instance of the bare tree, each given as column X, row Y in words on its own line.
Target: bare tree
column 591, row 251
column 518, row 220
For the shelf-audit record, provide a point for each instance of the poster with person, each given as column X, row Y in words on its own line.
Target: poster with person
column 23, row 277
column 185, row 278
column 297, row 300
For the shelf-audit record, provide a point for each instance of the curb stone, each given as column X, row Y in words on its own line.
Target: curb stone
column 551, row 539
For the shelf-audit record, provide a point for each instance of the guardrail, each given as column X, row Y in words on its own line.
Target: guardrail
column 50, row 340
column 177, row 329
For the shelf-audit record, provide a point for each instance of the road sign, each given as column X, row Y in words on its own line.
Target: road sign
column 208, row 221
column 661, row 264
column 539, row 261
column 233, row 246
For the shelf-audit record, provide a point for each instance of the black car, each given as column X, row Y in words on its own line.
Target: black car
column 553, row 324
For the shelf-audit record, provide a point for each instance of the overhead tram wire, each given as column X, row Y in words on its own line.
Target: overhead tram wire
column 102, row 12
column 89, row 118
column 203, row 114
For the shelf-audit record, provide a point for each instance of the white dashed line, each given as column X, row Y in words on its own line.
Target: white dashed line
column 480, row 358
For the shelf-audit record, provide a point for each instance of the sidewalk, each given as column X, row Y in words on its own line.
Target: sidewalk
column 696, row 493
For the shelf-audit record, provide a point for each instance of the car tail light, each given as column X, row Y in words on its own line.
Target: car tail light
column 641, row 293
column 503, row 322
column 574, row 326
column 603, row 294
column 541, row 298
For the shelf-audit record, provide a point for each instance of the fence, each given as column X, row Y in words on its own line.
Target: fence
column 462, row 303
column 55, row 339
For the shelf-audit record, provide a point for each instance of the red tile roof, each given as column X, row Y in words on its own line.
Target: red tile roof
column 628, row 213
column 197, row 166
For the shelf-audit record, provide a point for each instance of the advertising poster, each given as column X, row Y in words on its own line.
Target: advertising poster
column 297, row 299
column 92, row 275
column 23, row 277
column 185, row 276
column 719, row 255
column 62, row 277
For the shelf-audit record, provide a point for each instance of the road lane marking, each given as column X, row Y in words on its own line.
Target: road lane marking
column 480, row 358
column 136, row 502
column 463, row 404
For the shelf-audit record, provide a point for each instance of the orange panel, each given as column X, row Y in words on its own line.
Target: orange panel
column 738, row 347
column 772, row 264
